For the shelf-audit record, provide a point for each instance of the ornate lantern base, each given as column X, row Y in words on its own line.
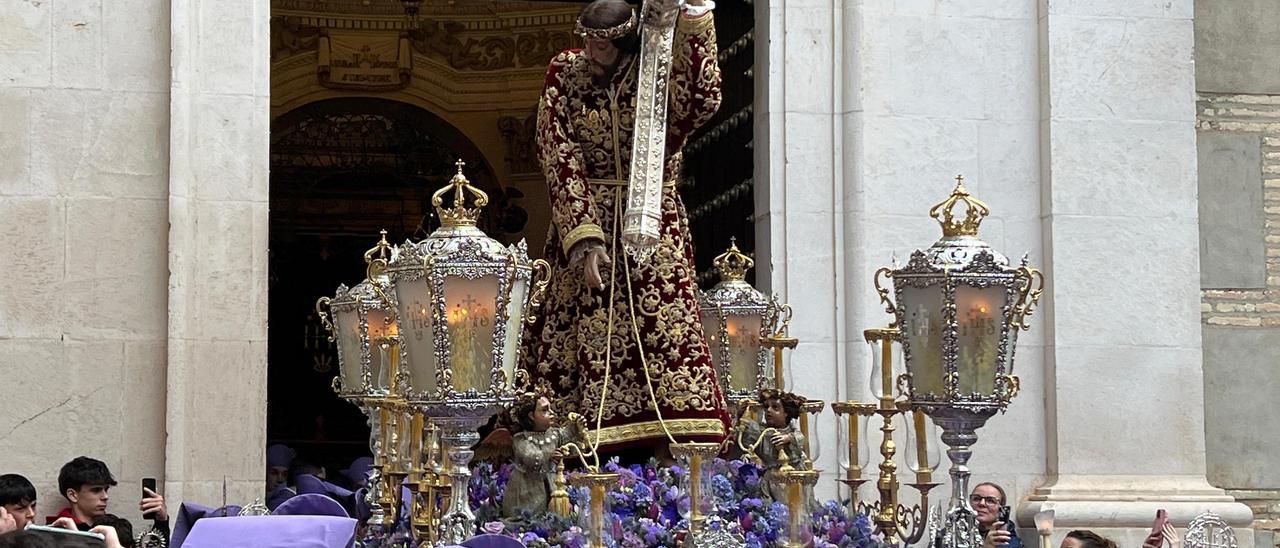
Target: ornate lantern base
column 458, row 434
column 959, row 431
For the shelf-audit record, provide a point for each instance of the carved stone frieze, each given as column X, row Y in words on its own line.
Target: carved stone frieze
column 290, row 37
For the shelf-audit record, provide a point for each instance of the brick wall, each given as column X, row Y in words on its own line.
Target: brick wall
column 1256, row 307
column 1260, row 115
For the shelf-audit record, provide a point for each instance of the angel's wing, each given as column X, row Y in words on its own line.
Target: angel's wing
column 496, row 447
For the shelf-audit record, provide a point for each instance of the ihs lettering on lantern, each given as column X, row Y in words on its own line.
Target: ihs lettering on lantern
column 419, row 320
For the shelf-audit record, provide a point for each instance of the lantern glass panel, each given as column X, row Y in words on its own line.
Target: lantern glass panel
column 347, row 323
column 923, row 328
column 413, row 301
column 470, row 312
column 379, row 329
column 979, row 316
column 515, row 314
column 743, row 332
column 711, row 331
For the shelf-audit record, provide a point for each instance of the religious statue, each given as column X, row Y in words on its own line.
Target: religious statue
column 619, row 339
column 778, row 441
column 527, row 435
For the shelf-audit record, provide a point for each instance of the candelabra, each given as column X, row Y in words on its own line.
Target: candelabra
column 853, row 412
column 597, row 483
column 896, row 522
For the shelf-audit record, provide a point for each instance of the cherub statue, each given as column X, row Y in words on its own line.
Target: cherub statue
column 778, row 438
column 534, row 449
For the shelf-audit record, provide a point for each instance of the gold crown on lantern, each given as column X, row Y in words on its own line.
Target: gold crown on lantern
column 459, row 214
column 733, row 264
column 975, row 212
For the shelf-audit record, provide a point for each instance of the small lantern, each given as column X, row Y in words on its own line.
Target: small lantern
column 361, row 321
column 461, row 297
column 364, row 328
column 735, row 317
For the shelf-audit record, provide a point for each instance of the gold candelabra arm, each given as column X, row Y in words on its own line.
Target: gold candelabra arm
column 541, row 279
column 322, row 304
column 919, row 523
column 1031, row 283
column 883, row 292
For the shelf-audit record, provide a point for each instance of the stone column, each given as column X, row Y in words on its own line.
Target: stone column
column 1124, row 423
column 931, row 90
column 218, row 161
column 798, row 242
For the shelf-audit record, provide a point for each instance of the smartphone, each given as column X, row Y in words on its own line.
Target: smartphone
column 148, row 483
column 1002, row 515
column 60, row 531
column 1157, row 527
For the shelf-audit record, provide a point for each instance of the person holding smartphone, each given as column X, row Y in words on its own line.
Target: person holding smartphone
column 989, row 503
column 992, row 512
column 86, row 484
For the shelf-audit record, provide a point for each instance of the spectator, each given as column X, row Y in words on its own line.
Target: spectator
column 46, row 539
column 279, row 460
column 18, row 498
column 1087, row 539
column 303, row 467
column 357, row 475
column 85, row 483
column 124, row 529
column 987, row 499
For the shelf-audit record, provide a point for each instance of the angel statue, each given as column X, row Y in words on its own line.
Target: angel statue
column 532, row 442
column 777, row 441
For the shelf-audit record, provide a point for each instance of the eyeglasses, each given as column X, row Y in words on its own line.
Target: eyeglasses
column 989, row 501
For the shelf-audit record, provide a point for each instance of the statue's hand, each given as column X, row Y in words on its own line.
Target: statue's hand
column 579, row 423
column 591, row 263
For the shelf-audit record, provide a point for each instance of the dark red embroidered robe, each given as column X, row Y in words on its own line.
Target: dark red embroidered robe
column 584, row 139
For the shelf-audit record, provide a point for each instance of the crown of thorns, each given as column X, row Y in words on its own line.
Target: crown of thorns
column 611, row 33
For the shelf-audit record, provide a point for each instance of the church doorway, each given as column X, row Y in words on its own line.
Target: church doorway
column 341, row 171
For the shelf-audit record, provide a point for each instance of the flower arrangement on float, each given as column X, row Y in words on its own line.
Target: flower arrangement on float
column 649, row 505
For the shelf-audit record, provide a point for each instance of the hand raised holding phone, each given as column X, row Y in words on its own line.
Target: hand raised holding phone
column 1156, row 538
column 152, row 504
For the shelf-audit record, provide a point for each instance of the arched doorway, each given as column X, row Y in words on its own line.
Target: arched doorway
column 341, row 170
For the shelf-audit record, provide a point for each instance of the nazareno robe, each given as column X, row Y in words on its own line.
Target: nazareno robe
column 584, row 135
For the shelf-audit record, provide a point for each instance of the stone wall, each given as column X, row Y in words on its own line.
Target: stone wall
column 84, row 165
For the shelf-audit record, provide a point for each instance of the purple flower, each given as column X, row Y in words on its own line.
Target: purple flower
column 493, row 527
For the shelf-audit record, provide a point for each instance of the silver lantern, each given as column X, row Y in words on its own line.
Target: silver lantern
column 959, row 306
column 361, row 322
column 461, row 297
column 735, row 319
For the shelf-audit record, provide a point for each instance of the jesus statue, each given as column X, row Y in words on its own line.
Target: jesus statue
column 617, row 340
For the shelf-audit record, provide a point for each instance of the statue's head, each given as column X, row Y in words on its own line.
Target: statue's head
column 610, row 32
column 780, row 408
column 532, row 412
